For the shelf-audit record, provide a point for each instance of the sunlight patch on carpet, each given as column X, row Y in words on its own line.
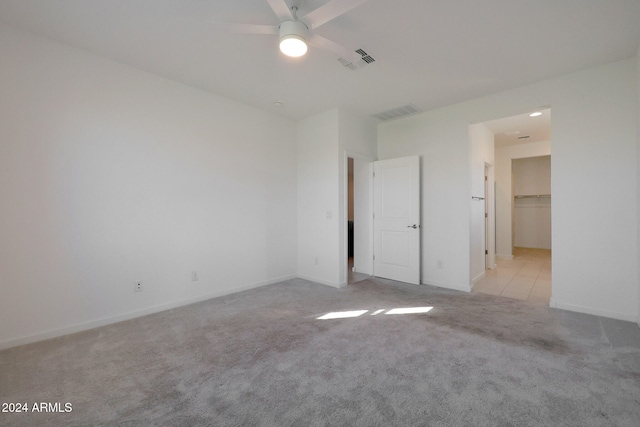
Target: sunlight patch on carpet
column 358, row 313
column 409, row 310
column 342, row 314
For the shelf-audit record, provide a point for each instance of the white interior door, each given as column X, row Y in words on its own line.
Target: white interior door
column 396, row 224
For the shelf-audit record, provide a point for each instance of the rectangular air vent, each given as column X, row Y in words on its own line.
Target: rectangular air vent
column 358, row 63
column 365, row 56
column 396, row 113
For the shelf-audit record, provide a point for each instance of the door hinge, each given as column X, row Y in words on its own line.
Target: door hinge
column 486, row 252
column 374, row 257
column 486, row 215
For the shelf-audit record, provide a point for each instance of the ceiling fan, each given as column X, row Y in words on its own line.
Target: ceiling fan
column 295, row 32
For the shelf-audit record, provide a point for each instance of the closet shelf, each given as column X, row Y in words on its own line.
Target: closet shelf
column 532, row 196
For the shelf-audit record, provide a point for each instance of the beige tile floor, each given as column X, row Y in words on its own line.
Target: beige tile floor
column 525, row 277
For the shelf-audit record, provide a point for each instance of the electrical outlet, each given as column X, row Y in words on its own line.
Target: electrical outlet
column 137, row 287
column 194, row 276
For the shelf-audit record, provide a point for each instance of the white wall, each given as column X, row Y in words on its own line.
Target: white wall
column 532, row 216
column 441, row 138
column 595, row 245
column 638, row 163
column 325, row 141
column 109, row 175
column 532, row 175
column 481, row 153
column 504, row 200
column 318, row 199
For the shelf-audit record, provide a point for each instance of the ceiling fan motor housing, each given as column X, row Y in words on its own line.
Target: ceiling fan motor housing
column 293, row 28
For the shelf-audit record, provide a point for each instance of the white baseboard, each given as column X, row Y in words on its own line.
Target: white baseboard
column 593, row 311
column 446, row 286
column 322, row 282
column 133, row 314
column 478, row 278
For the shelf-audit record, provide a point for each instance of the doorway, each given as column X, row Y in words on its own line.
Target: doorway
column 523, row 208
column 359, row 221
column 396, row 232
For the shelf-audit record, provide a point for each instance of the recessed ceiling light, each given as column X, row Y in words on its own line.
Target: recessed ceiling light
column 535, row 114
column 277, row 104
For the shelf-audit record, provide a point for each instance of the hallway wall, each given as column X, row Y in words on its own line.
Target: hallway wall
column 532, row 216
column 481, row 153
column 504, row 200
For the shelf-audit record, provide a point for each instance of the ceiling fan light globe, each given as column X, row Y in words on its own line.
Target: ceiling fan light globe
column 293, row 45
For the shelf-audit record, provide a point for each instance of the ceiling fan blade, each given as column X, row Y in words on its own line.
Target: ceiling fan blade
column 246, row 28
column 329, row 11
column 336, row 48
column 281, row 9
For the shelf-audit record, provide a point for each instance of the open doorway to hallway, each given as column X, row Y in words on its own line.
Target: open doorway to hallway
column 358, row 222
column 523, row 209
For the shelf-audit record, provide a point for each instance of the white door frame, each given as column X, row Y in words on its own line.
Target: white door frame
column 490, row 209
column 344, row 214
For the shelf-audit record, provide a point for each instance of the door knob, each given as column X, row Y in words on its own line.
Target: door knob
column 414, row 226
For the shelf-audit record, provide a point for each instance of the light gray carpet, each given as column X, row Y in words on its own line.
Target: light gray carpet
column 263, row 358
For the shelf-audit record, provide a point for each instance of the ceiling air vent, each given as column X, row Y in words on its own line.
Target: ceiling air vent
column 396, row 113
column 358, row 63
column 365, row 56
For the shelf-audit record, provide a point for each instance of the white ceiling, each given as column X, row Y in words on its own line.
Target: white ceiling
column 428, row 53
column 521, row 129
